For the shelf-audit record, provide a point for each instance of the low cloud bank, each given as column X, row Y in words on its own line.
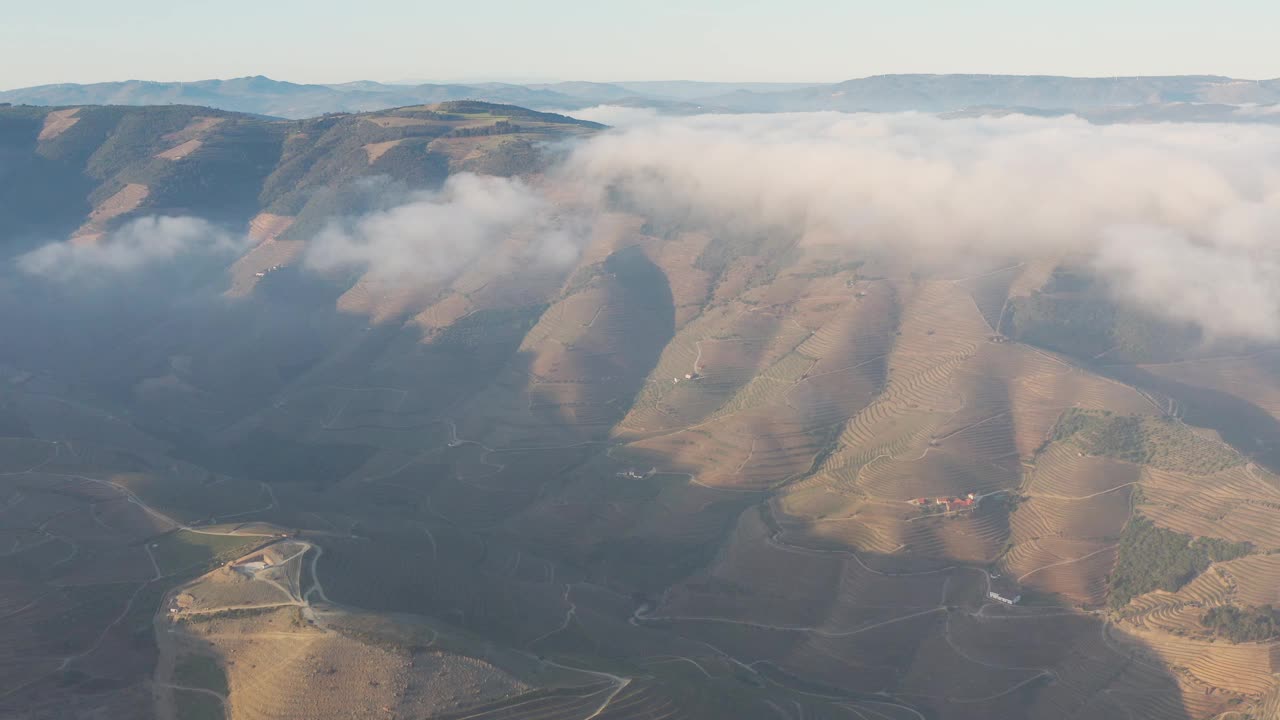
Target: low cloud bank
column 620, row 116
column 433, row 235
column 135, row 246
column 1183, row 219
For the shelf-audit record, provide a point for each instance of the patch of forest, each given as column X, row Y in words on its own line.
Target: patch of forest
column 1144, row 439
column 1154, row 558
column 1250, row 624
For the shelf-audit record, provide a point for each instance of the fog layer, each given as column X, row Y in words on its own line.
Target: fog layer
column 436, row 234
column 1181, row 218
column 134, row 246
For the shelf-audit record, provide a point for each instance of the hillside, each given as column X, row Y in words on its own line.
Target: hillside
column 687, row 467
column 87, row 170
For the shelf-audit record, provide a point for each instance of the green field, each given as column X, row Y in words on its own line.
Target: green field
column 183, row 549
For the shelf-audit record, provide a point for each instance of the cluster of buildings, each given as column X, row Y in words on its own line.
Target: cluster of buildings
column 970, row 500
column 263, row 273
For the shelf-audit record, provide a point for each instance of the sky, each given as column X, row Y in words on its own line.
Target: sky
column 548, row 40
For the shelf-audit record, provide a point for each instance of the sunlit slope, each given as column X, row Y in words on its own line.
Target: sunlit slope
column 689, row 473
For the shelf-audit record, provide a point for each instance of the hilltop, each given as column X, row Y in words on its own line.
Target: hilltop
column 84, row 170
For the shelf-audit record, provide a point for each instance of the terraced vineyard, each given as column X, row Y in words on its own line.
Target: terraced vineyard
column 698, row 470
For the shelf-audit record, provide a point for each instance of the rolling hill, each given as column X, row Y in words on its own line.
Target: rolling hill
column 691, row 470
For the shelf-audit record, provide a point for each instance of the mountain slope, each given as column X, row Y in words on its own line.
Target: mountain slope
column 691, row 471
column 91, row 169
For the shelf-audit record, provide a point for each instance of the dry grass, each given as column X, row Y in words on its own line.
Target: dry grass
column 1246, row 669
column 126, row 200
column 397, row 121
column 58, row 122
column 376, row 150
column 382, row 301
column 1239, row 504
column 266, row 255
column 180, row 151
column 268, row 226
column 198, row 127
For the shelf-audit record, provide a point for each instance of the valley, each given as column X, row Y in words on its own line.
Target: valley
column 693, row 471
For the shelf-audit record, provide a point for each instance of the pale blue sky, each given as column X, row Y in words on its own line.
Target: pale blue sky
column 45, row 41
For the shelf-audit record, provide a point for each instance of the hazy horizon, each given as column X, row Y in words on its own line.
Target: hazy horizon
column 812, row 41
column 902, row 361
column 464, row 80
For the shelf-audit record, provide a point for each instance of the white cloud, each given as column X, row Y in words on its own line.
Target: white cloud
column 1184, row 218
column 433, row 235
column 134, row 246
column 613, row 115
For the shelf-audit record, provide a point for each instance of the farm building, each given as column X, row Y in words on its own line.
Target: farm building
column 1004, row 592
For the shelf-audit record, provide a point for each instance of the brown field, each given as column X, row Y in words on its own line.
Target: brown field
column 267, row 226
column 198, row 127
column 267, row 254
column 1245, row 669
column 443, row 313
column 1239, row 504
column 284, row 656
column 126, row 200
column 383, row 301
column 396, row 121
column 378, row 149
column 180, row 151
column 58, row 122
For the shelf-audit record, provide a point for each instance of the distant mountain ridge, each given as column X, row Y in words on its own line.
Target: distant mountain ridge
column 940, row 93
column 881, row 93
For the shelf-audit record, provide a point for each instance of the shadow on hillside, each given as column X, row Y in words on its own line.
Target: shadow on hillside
column 572, row 576
column 1248, row 428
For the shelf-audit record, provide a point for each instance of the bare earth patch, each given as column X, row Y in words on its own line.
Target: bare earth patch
column 178, row 152
column 378, row 149
column 382, row 300
column 58, row 122
column 267, row 226
column 128, row 199
column 264, row 228
column 194, row 129
column 390, row 121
